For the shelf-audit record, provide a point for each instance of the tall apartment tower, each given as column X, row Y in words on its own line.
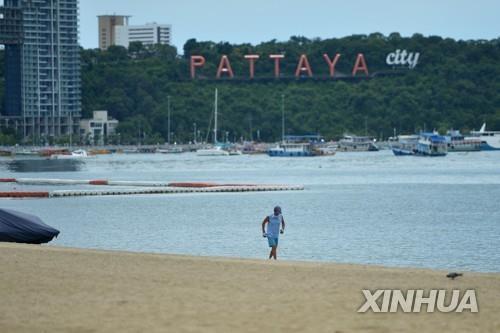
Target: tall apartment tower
column 107, row 25
column 42, row 59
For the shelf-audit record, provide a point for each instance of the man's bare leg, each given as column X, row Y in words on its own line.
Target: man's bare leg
column 274, row 252
column 271, row 253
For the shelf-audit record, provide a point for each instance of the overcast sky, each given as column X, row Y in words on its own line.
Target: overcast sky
column 255, row 21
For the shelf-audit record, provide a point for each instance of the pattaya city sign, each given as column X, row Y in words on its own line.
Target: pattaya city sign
column 402, row 58
column 303, row 69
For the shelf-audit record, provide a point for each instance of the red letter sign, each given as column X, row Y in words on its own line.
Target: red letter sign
column 331, row 63
column 224, row 67
column 360, row 65
column 196, row 61
column 277, row 58
column 251, row 62
column 303, row 66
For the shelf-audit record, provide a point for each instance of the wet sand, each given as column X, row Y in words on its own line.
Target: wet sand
column 54, row 289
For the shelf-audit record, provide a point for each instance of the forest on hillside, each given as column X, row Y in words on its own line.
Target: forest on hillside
column 454, row 85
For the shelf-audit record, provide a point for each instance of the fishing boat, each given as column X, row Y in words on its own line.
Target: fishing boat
column 456, row 142
column 357, row 143
column 431, row 144
column 490, row 140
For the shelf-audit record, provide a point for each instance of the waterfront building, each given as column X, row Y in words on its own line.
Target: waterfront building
column 98, row 128
column 42, row 67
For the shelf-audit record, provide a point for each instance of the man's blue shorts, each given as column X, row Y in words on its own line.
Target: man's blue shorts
column 273, row 241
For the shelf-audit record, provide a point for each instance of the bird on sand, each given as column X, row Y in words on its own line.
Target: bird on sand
column 453, row 275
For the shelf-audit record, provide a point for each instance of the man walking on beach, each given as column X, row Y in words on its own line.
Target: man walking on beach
column 273, row 230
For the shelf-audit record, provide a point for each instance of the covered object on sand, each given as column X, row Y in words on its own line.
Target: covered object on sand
column 24, row 228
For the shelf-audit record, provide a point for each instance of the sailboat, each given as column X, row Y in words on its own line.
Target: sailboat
column 216, row 150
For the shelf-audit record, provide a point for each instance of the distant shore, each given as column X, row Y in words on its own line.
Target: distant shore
column 56, row 289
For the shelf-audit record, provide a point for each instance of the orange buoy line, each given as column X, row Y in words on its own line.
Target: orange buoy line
column 136, row 187
column 150, row 190
column 98, row 182
column 16, row 194
column 48, row 181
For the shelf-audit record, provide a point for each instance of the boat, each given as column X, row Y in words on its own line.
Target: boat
column 326, row 150
column 77, row 154
column 405, row 145
column 217, row 149
column 357, row 143
column 212, row 151
column 292, row 149
column 6, row 152
column 99, row 152
column 456, row 142
column 234, row 152
column 490, row 140
column 431, row 144
column 173, row 150
column 48, row 152
column 20, row 227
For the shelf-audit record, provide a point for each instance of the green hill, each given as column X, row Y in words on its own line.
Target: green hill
column 455, row 85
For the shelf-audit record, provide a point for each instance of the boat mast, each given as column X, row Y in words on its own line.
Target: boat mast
column 215, row 117
column 283, row 118
column 168, row 119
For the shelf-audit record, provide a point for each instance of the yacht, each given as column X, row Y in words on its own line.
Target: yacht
column 490, row 140
column 213, row 151
column 216, row 149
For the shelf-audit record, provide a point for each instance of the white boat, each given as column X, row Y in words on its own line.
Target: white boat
column 286, row 149
column 327, row 151
column 458, row 143
column 214, row 151
column 490, row 140
column 174, row 150
column 77, row 154
column 357, row 143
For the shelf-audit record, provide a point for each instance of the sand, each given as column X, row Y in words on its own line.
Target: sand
column 54, row 289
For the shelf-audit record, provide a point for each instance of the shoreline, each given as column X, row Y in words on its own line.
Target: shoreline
column 263, row 259
column 69, row 289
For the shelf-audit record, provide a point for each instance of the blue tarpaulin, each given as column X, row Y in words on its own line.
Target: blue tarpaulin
column 24, row 228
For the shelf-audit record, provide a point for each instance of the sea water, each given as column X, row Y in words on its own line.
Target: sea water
column 366, row 208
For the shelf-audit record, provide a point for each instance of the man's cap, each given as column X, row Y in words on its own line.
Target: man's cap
column 277, row 209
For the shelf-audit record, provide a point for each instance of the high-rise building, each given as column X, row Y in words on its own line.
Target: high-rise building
column 42, row 61
column 147, row 34
column 107, row 25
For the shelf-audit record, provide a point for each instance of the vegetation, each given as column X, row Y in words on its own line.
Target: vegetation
column 454, row 85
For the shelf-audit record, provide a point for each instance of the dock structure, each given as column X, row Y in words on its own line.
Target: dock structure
column 133, row 187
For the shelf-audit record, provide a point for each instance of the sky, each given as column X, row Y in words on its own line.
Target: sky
column 255, row 21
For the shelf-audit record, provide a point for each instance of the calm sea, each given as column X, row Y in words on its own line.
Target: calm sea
column 367, row 208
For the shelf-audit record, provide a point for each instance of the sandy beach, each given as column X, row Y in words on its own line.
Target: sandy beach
column 54, row 289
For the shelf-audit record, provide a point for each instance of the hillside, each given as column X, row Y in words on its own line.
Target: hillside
column 454, row 85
